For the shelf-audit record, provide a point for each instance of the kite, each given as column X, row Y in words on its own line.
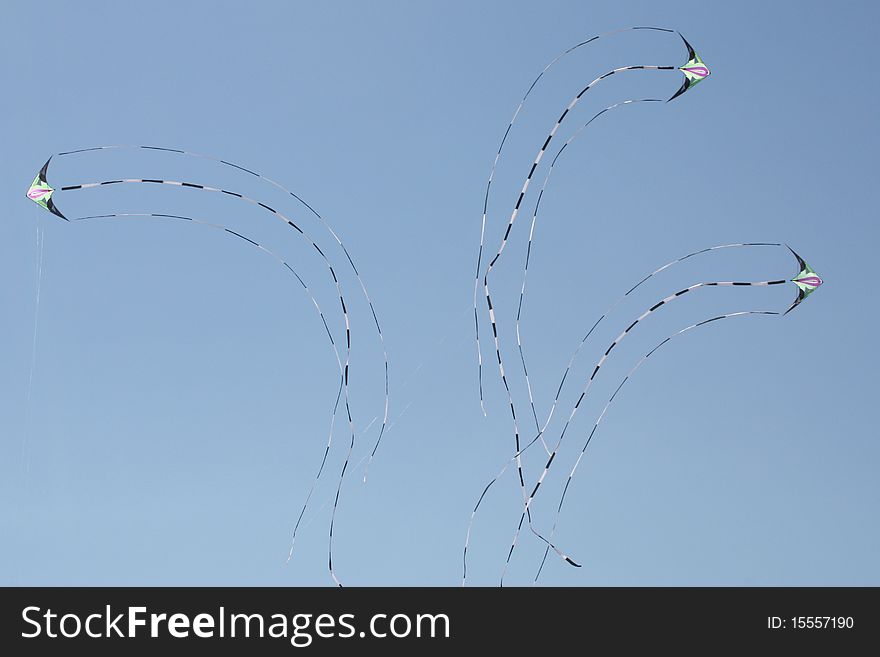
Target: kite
column 812, row 280
column 807, row 281
column 311, row 210
column 500, row 251
column 40, row 194
column 542, row 429
column 694, row 70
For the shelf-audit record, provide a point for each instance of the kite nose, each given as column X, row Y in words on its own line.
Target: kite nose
column 37, row 193
column 812, row 281
column 699, row 71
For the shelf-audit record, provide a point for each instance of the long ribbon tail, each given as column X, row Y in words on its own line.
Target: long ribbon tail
column 620, row 299
column 519, row 309
column 480, row 502
column 601, row 362
column 326, row 225
column 488, row 191
column 610, row 401
column 322, row 316
column 503, row 244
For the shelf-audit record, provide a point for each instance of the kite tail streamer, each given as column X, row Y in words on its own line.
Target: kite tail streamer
column 537, row 161
column 507, row 131
column 626, row 378
column 315, row 303
column 601, row 362
column 480, row 501
column 329, row 499
column 519, row 342
column 618, row 301
column 504, row 240
column 320, row 218
column 281, row 216
column 336, row 506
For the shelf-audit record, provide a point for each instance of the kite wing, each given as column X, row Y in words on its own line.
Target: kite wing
column 40, row 192
column 807, row 281
column 695, row 70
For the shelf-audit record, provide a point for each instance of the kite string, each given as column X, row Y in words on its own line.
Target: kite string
column 317, row 512
column 25, row 447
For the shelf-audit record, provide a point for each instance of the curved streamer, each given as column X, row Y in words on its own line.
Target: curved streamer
column 292, row 224
column 620, row 299
column 522, row 290
column 626, row 378
column 601, row 362
column 500, row 251
column 507, row 131
column 306, row 289
column 317, row 215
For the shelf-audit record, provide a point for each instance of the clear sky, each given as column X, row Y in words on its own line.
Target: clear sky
column 181, row 388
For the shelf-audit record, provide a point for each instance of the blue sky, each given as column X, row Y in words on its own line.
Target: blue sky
column 182, row 386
